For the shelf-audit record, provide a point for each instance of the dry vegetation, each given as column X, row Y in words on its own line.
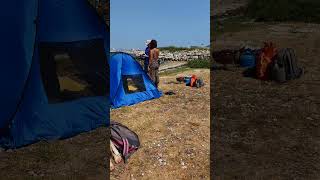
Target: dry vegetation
column 173, row 130
column 80, row 157
column 265, row 130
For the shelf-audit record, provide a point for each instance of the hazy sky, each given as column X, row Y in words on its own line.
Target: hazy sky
column 170, row 22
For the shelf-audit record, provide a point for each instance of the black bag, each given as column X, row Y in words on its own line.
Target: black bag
column 125, row 140
column 285, row 66
column 199, row 83
column 278, row 72
column 225, row 56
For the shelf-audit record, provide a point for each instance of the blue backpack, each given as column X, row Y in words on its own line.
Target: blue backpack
column 248, row 58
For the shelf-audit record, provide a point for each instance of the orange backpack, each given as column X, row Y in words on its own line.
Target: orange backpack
column 264, row 61
column 193, row 80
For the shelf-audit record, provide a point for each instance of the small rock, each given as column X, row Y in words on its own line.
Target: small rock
column 9, row 151
column 32, row 173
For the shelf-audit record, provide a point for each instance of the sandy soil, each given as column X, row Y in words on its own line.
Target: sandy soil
column 173, row 130
column 264, row 130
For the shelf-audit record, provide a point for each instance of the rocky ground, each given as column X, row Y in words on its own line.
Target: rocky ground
column 178, row 55
column 265, row 130
column 174, row 132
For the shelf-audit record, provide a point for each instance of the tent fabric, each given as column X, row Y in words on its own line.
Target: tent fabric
column 26, row 116
column 121, row 65
column 69, row 20
column 17, row 43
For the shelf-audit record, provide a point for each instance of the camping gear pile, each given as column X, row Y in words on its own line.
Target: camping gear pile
column 192, row 81
column 123, row 143
column 267, row 63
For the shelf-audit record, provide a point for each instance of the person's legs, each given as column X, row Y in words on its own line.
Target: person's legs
column 157, row 80
column 146, row 65
column 152, row 75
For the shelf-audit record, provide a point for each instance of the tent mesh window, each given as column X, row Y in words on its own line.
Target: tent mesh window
column 73, row 71
column 133, row 83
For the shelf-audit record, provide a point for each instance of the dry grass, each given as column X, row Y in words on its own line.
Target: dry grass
column 80, row 157
column 173, row 130
column 264, row 130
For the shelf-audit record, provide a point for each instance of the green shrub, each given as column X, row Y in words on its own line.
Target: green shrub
column 199, row 63
column 285, row 10
column 175, row 48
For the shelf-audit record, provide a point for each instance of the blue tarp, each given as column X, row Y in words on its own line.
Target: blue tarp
column 124, row 64
column 26, row 116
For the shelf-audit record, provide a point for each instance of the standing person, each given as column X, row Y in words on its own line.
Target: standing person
column 146, row 59
column 153, row 62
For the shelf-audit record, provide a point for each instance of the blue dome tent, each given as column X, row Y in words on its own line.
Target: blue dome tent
column 130, row 83
column 26, row 115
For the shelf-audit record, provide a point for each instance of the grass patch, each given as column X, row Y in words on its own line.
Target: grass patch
column 175, row 48
column 284, row 10
column 199, row 63
column 231, row 25
column 174, row 71
column 268, row 11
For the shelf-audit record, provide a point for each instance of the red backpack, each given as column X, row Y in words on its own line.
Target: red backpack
column 193, row 80
column 264, row 61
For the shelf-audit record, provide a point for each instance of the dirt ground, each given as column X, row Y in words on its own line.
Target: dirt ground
column 80, row 157
column 265, row 130
column 218, row 7
column 174, row 132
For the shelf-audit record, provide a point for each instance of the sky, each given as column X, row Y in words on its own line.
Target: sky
column 180, row 23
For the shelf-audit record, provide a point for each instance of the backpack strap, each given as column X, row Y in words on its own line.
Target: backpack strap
column 125, row 147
